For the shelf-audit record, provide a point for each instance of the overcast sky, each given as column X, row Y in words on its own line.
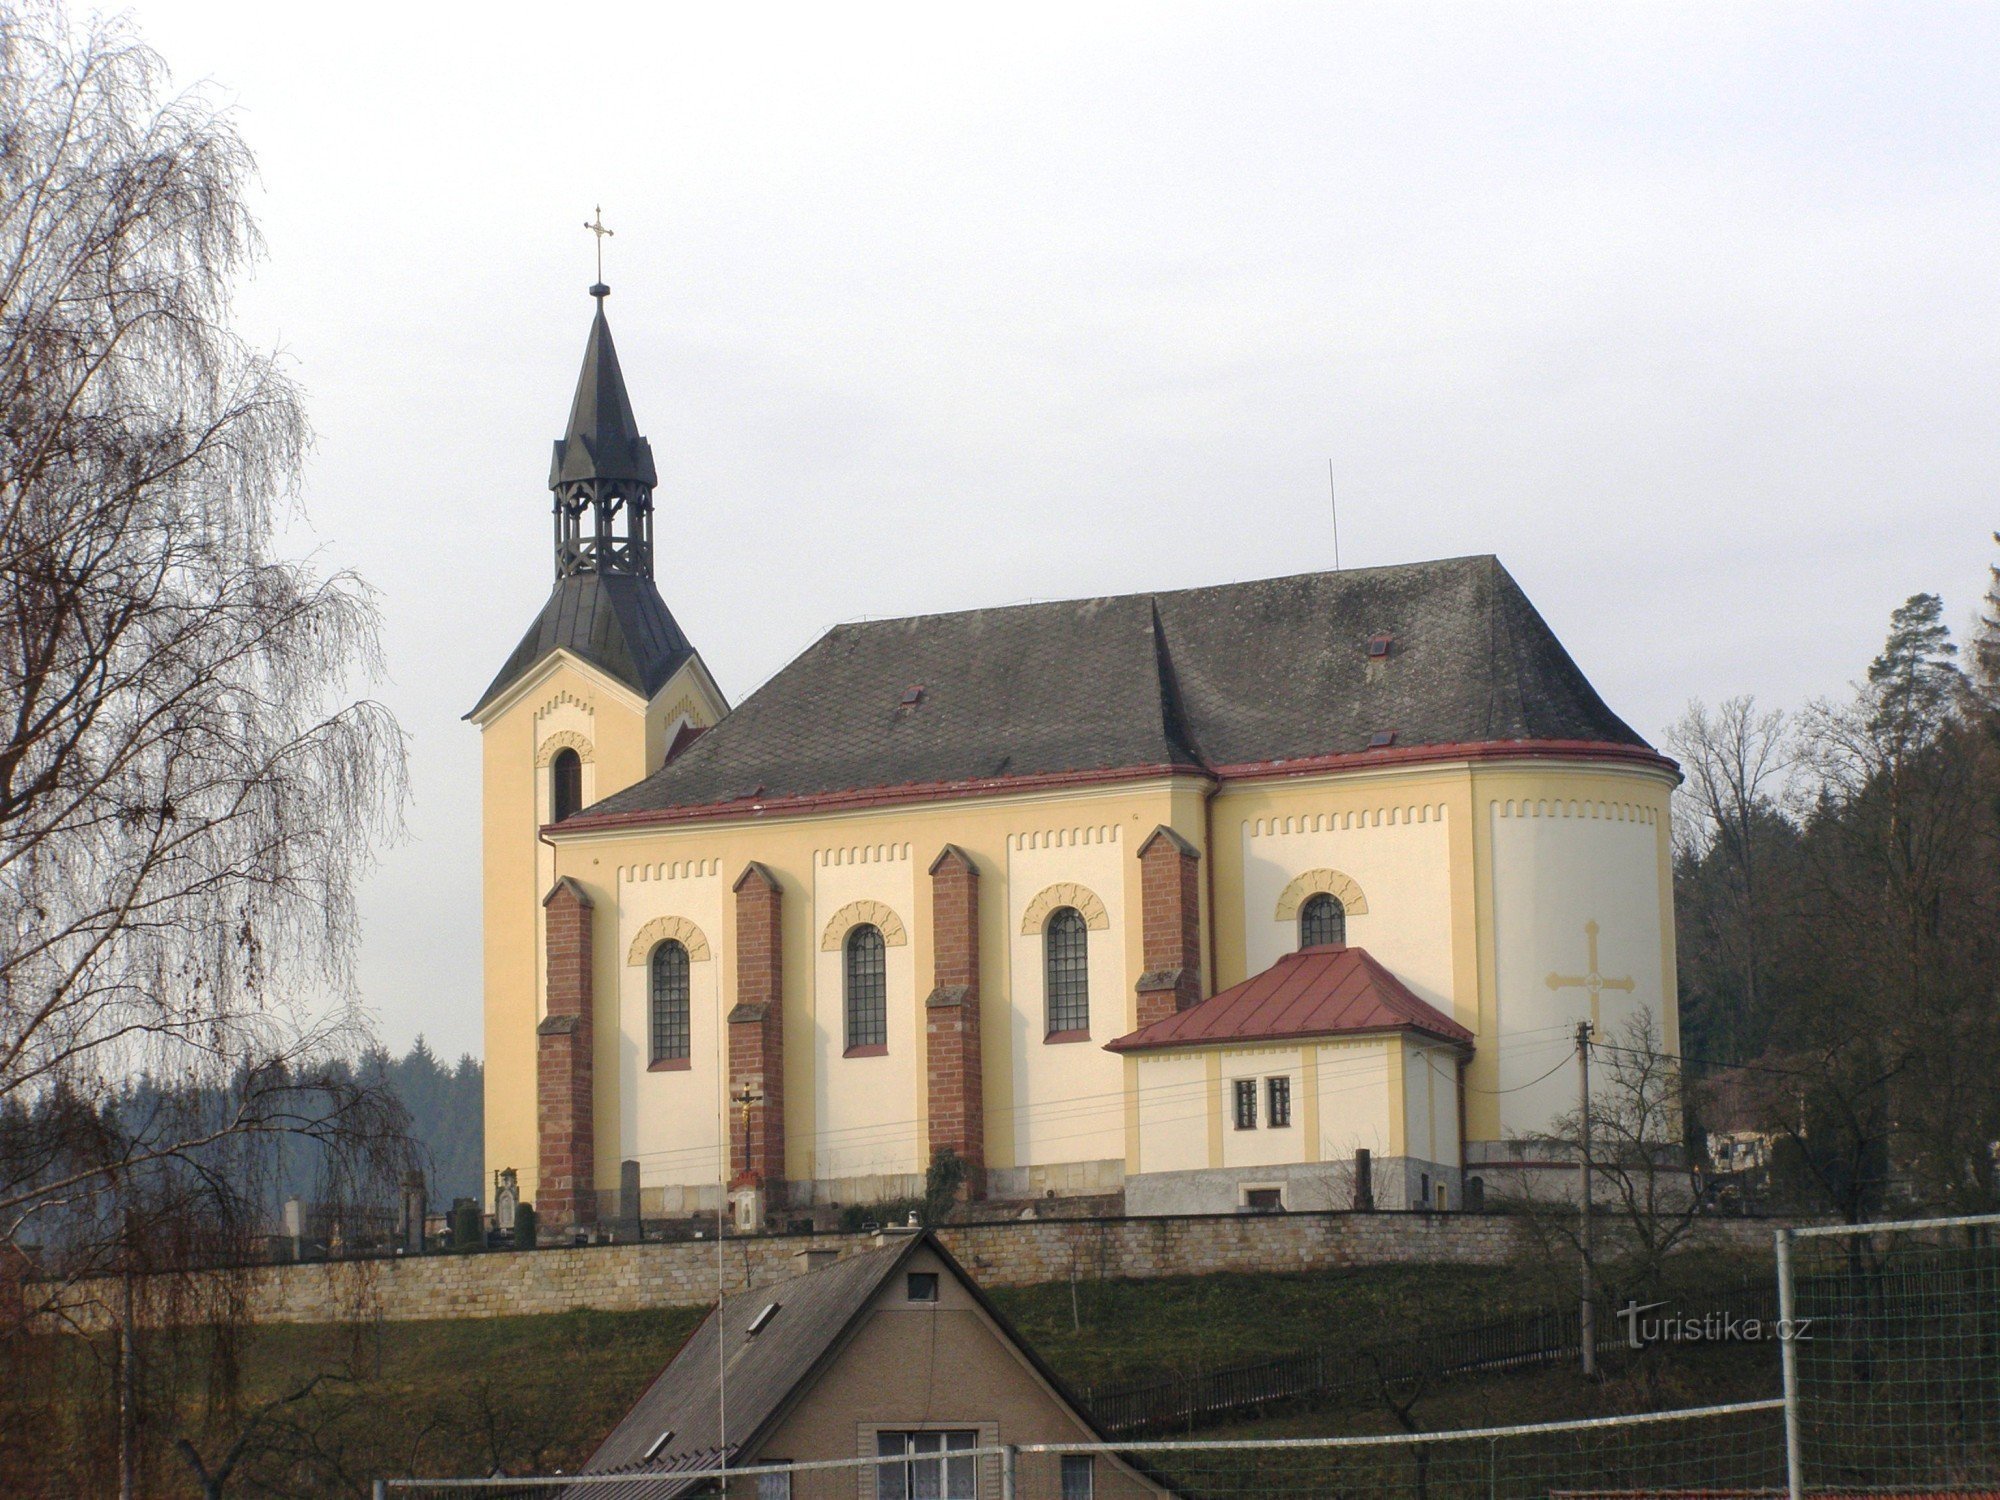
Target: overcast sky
column 1687, row 312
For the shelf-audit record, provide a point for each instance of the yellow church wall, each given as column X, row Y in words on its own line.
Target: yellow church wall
column 1561, row 848
column 671, row 1120
column 1406, row 825
column 1081, row 865
column 1419, row 843
column 1430, row 1102
column 864, row 1111
column 1395, row 858
column 1264, row 1145
column 822, row 1088
column 1444, row 874
column 564, row 703
column 1355, row 1095
column 1173, row 1109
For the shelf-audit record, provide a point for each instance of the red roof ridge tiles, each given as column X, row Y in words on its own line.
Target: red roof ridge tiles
column 1326, row 991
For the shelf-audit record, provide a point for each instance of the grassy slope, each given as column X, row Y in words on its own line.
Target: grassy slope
column 537, row 1393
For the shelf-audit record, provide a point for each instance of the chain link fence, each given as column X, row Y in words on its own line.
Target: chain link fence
column 1891, row 1388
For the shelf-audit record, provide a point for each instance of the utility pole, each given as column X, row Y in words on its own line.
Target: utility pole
column 1587, row 1308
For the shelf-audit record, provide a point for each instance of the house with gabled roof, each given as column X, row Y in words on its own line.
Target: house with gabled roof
column 893, row 1355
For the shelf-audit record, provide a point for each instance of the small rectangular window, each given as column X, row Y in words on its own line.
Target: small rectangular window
column 1246, row 1104
column 1278, row 1102
column 923, row 1286
column 1079, row 1476
column 774, row 1486
column 1267, row 1200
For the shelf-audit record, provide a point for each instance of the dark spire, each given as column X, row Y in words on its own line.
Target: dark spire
column 602, row 472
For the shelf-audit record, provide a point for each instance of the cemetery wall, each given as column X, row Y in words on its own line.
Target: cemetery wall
column 631, row 1277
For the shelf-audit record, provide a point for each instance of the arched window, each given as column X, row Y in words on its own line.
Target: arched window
column 670, row 1002
column 1322, row 920
column 867, row 976
column 1066, row 956
column 565, row 785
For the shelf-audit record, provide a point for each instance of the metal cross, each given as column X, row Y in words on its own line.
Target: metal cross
column 596, row 227
column 749, row 1098
column 1593, row 981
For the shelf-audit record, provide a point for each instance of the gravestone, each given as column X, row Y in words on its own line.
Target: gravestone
column 506, row 1198
column 628, row 1198
column 415, row 1206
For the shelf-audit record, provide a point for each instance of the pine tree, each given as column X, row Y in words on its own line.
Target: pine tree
column 1986, row 640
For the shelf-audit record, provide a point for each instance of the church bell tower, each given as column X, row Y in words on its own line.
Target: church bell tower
column 602, row 689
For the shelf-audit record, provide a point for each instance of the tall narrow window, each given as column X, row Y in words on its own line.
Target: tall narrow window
column 1066, row 954
column 867, row 979
column 565, row 785
column 1278, row 1101
column 1322, row 920
column 670, row 1003
column 1079, row 1476
column 1246, row 1104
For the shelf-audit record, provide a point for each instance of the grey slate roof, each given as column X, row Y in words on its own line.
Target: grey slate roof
column 615, row 621
column 602, row 440
column 1232, row 675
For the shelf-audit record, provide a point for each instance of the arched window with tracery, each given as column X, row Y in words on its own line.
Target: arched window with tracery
column 1066, row 961
column 1322, row 920
column 670, row 1007
column 565, row 784
column 866, row 973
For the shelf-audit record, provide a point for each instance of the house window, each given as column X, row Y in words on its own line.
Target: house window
column 1264, row 1200
column 670, row 1002
column 867, row 978
column 565, row 785
column 1322, row 920
column 1079, row 1476
column 923, row 1467
column 1066, row 954
column 1278, row 1102
column 1246, row 1104
column 774, row 1486
column 923, row 1286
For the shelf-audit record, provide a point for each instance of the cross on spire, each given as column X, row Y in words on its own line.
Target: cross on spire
column 596, row 226
column 1591, row 980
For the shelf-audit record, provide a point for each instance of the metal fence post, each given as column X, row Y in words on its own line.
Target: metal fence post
column 380, row 1489
column 1795, row 1479
column 1009, row 1457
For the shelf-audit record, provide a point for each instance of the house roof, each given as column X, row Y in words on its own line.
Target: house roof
column 1217, row 680
column 767, row 1370
column 615, row 621
column 1328, row 991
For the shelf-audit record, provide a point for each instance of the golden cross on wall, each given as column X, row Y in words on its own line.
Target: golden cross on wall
column 1593, row 981
column 596, row 227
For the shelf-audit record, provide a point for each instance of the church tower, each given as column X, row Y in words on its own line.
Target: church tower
column 602, row 690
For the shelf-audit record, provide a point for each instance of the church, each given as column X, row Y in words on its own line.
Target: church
column 1192, row 896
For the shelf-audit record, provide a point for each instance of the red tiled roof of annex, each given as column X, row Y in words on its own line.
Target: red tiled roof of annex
column 1327, row 991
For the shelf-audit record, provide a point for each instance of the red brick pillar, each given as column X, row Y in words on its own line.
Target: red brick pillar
column 956, row 1084
column 564, row 1127
column 757, row 1036
column 1170, row 895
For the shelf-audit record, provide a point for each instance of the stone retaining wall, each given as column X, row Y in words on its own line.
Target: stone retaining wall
column 624, row 1278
